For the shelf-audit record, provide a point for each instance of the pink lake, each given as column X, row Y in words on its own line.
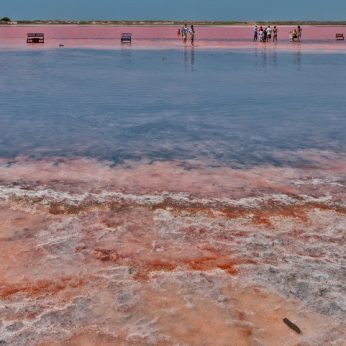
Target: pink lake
column 315, row 38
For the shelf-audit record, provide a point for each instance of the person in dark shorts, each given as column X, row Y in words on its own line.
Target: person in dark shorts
column 299, row 32
column 192, row 34
column 275, row 34
column 265, row 35
column 255, row 33
column 294, row 35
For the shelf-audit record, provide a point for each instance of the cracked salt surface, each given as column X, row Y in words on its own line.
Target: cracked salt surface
column 107, row 266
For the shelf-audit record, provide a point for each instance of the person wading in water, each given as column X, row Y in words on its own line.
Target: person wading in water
column 255, row 33
column 275, row 34
column 192, row 34
column 299, row 32
column 184, row 32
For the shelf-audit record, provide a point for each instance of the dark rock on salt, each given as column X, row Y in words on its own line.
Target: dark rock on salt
column 292, row 325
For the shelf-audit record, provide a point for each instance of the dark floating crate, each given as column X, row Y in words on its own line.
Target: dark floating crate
column 35, row 37
column 126, row 38
column 340, row 37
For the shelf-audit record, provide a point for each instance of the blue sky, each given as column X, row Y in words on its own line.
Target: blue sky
column 175, row 9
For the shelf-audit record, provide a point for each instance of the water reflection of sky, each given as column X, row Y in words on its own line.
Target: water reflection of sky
column 232, row 106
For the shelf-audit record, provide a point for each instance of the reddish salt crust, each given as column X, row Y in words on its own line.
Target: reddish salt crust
column 244, row 322
column 40, row 288
column 159, row 254
column 315, row 38
column 327, row 170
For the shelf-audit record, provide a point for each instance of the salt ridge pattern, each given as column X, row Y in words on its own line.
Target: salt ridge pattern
column 92, row 262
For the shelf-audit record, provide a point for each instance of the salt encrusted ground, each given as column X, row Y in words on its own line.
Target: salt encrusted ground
column 172, row 253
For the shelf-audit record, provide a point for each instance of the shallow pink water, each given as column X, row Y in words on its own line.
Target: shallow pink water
column 317, row 37
column 163, row 32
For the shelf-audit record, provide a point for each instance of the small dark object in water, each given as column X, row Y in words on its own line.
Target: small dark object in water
column 61, row 45
column 35, row 37
column 292, row 325
column 126, row 37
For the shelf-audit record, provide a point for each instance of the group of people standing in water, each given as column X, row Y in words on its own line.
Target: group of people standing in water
column 296, row 34
column 185, row 32
column 265, row 34
column 260, row 33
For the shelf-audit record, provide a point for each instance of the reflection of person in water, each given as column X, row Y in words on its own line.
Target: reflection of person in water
column 189, row 58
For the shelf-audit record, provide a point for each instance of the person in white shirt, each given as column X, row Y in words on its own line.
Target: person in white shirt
column 261, row 35
column 269, row 33
column 184, row 32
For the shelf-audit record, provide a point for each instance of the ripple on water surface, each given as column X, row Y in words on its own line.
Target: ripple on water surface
column 238, row 108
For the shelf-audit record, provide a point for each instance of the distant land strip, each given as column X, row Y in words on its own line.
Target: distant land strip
column 168, row 23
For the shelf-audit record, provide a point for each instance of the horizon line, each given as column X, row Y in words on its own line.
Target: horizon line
column 177, row 20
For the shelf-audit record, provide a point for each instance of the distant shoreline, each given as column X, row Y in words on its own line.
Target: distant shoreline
column 171, row 23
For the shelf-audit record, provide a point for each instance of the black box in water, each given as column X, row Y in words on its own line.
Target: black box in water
column 126, row 38
column 35, row 37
